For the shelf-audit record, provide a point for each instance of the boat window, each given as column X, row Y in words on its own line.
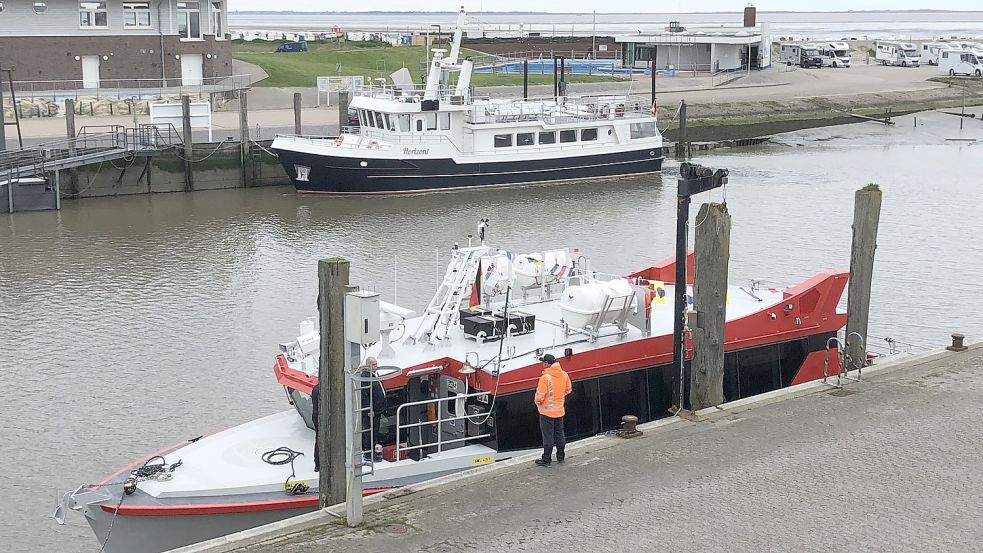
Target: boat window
column 588, row 134
column 503, row 140
column 378, row 121
column 643, row 130
column 524, row 139
column 445, row 121
column 363, row 121
column 547, row 138
column 568, row 136
column 431, row 121
column 404, row 123
column 419, row 124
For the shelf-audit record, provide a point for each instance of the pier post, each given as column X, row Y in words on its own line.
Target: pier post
column 245, row 157
column 712, row 250
column 332, row 282
column 556, row 80
column 189, row 178
column 73, row 174
column 297, row 123
column 343, row 100
column 866, row 215
column 682, row 143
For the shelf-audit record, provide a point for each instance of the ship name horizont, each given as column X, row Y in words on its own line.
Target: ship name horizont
column 416, row 151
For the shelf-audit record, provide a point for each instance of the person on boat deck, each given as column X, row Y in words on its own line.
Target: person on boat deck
column 373, row 417
column 315, row 398
column 554, row 386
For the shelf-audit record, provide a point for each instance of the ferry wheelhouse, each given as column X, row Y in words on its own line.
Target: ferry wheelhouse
column 443, row 137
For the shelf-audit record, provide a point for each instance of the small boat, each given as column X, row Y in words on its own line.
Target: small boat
column 460, row 383
column 444, row 137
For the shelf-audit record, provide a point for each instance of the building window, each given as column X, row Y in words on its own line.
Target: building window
column 40, row 7
column 136, row 14
column 189, row 20
column 93, row 14
column 503, row 140
column 568, row 136
column 588, row 134
column 217, row 20
column 524, row 139
column 547, row 138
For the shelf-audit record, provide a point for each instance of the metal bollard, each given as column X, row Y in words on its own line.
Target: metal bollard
column 957, row 343
column 628, row 430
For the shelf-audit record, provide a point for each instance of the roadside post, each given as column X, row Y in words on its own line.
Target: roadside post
column 693, row 179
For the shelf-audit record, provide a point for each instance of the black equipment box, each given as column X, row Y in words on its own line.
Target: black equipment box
column 521, row 322
column 490, row 325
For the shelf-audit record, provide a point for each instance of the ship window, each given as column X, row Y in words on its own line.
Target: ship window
column 431, row 119
column 503, row 140
column 378, row 120
column 404, row 123
column 419, row 124
column 547, row 138
column 445, row 121
column 568, row 136
column 588, row 134
column 643, row 130
column 524, row 139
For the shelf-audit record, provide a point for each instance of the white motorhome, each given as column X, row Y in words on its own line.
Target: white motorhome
column 930, row 51
column 896, row 53
column 835, row 54
column 963, row 62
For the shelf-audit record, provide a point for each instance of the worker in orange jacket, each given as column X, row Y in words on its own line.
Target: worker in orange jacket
column 554, row 386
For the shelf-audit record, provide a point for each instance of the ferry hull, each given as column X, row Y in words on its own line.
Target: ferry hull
column 345, row 175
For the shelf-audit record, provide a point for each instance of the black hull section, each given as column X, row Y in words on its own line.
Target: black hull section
column 343, row 175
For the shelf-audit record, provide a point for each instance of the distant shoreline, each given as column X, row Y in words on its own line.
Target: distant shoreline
column 491, row 12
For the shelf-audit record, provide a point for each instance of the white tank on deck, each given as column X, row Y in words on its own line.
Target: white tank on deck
column 551, row 266
column 580, row 304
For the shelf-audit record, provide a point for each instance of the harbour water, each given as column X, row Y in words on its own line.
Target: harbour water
column 903, row 25
column 127, row 324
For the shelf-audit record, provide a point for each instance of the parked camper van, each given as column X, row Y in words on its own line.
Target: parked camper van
column 835, row 54
column 963, row 62
column 930, row 52
column 803, row 55
column 896, row 53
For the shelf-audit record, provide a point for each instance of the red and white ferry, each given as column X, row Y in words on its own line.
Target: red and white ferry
column 461, row 394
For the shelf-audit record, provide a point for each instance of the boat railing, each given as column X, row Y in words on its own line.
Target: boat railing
column 440, row 442
column 563, row 110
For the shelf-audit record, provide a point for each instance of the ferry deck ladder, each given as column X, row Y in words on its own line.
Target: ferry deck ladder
column 445, row 304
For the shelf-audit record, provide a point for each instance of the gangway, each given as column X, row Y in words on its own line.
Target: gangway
column 34, row 164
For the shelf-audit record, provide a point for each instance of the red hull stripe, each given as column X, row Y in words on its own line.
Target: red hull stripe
column 292, row 502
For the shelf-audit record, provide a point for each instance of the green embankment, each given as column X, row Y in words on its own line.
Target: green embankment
column 366, row 59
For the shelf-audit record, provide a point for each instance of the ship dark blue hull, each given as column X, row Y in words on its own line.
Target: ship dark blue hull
column 346, row 175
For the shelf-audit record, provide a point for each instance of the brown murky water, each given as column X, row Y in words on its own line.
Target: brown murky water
column 131, row 323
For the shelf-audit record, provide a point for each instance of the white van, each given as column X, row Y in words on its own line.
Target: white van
column 838, row 54
column 896, row 53
column 962, row 62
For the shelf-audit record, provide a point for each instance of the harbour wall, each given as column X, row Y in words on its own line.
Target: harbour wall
column 214, row 166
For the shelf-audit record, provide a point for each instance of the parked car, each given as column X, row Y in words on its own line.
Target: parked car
column 300, row 46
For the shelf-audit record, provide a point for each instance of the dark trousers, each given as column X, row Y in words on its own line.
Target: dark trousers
column 553, row 435
column 367, row 445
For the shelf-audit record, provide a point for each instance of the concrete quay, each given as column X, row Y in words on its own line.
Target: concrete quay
column 890, row 463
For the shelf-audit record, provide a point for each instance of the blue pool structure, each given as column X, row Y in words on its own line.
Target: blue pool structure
column 573, row 67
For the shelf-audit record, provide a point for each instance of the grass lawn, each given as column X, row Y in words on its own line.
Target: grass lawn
column 366, row 59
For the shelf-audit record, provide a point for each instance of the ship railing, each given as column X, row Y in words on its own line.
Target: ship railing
column 564, row 110
column 437, row 423
column 414, row 94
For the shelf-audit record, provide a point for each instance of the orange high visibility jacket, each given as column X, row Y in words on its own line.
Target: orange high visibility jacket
column 554, row 386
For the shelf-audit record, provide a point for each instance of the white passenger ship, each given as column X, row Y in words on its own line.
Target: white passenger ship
column 444, row 137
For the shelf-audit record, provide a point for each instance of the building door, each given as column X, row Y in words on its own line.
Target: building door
column 754, row 57
column 191, row 70
column 90, row 71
